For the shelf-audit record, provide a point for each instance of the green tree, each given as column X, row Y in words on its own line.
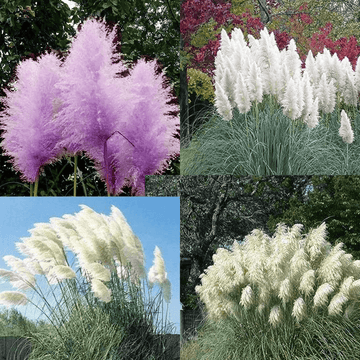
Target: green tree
column 333, row 199
column 13, row 323
column 28, row 28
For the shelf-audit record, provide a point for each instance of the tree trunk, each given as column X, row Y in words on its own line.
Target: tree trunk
column 184, row 103
column 264, row 12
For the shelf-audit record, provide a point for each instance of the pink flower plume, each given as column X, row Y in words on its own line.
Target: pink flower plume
column 121, row 123
column 32, row 132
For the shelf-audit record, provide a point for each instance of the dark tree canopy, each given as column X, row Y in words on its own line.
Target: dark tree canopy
column 335, row 200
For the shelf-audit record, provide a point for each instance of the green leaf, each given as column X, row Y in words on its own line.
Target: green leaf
column 106, row 5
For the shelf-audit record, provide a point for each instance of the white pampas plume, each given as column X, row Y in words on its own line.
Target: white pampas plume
column 321, row 295
column 275, row 315
column 228, row 84
column 299, row 309
column 326, row 92
column 100, row 290
column 345, row 130
column 254, row 83
column 307, row 282
column 337, row 73
column 157, row 274
column 59, row 273
column 21, row 282
column 9, row 298
column 292, row 59
column 350, row 93
column 336, row 303
column 133, row 249
column 290, row 101
column 222, row 103
column 312, row 119
column 225, row 43
column 308, row 95
column 241, row 95
column 311, row 68
column 238, row 37
column 98, row 271
column 246, row 297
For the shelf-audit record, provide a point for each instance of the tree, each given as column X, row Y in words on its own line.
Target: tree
column 13, row 323
column 28, row 28
column 333, row 199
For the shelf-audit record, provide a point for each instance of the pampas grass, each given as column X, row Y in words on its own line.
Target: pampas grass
column 273, row 145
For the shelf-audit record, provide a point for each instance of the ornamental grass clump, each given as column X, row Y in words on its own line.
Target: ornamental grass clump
column 280, row 118
column 100, row 305
column 282, row 297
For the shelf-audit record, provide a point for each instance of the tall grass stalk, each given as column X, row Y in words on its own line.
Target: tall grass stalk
column 128, row 327
column 277, row 146
column 252, row 337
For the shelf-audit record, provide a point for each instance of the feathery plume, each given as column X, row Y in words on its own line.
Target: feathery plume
column 32, row 133
column 100, row 290
column 345, row 130
column 222, row 103
column 9, row 298
column 157, row 274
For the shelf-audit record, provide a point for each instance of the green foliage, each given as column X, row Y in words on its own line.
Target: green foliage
column 317, row 339
column 13, row 323
column 240, row 6
column 24, row 31
column 87, row 334
column 333, row 199
column 57, row 180
column 204, row 34
column 200, row 84
column 164, row 185
column 322, row 12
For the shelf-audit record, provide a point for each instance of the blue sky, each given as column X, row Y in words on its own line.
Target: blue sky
column 155, row 220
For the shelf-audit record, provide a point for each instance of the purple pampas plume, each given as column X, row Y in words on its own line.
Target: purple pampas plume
column 31, row 130
column 122, row 123
column 95, row 104
column 151, row 124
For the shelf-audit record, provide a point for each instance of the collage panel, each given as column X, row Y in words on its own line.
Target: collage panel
column 272, row 87
column 270, row 267
column 88, row 96
column 94, row 278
